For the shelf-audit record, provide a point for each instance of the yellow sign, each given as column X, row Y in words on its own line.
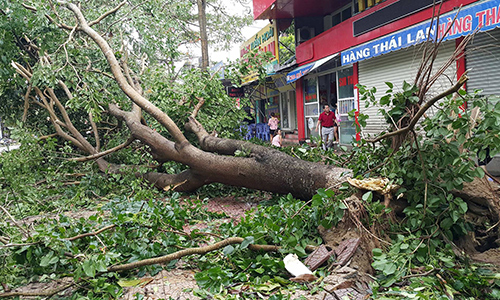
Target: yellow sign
column 265, row 40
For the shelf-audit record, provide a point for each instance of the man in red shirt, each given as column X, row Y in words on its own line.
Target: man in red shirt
column 328, row 123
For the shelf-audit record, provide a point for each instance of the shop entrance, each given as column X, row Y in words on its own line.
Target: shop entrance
column 335, row 89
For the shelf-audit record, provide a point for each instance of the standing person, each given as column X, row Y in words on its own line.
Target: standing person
column 327, row 121
column 336, row 125
column 273, row 125
column 277, row 139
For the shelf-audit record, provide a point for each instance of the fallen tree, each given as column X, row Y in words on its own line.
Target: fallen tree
column 214, row 160
column 431, row 175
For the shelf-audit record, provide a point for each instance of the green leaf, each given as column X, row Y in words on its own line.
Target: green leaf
column 101, row 266
column 317, row 200
column 446, row 223
column 384, row 100
column 389, row 84
column 88, row 268
column 228, row 250
column 247, row 241
column 130, row 283
column 322, row 193
column 377, row 251
column 367, row 196
column 49, row 259
column 389, row 269
column 462, row 205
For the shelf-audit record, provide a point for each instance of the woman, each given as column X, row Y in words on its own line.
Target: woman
column 276, row 141
column 273, row 125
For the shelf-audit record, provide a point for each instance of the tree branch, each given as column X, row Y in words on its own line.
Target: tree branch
column 104, row 153
column 423, row 109
column 60, row 25
column 92, row 23
column 77, row 135
column 197, row 107
column 91, row 233
column 73, row 238
column 190, row 251
column 96, row 133
column 47, row 293
column 26, row 103
column 56, row 122
column 26, row 233
column 136, row 97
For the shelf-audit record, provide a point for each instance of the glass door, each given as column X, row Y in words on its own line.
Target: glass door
column 345, row 87
column 311, row 106
column 285, row 111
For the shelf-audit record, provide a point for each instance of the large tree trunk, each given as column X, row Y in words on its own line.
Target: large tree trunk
column 262, row 168
column 202, row 20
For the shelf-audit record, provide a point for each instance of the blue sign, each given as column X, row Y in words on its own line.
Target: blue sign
column 299, row 72
column 483, row 15
column 305, row 69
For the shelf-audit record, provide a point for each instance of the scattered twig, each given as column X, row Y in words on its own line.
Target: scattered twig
column 9, row 245
column 4, row 240
column 29, row 7
column 419, row 274
column 26, row 233
column 124, row 16
column 91, row 233
column 44, row 137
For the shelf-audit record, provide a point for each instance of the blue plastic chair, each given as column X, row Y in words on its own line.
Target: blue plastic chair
column 262, row 131
column 250, row 131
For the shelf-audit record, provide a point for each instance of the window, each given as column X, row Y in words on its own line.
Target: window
column 360, row 5
column 337, row 17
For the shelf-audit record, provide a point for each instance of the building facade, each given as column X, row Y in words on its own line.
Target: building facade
column 346, row 42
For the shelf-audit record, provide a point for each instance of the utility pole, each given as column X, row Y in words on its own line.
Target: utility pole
column 202, row 18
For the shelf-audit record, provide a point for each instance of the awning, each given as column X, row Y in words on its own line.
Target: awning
column 305, row 69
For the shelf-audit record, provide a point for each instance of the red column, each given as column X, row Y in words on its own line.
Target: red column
column 461, row 65
column 299, row 94
column 355, row 80
column 356, row 97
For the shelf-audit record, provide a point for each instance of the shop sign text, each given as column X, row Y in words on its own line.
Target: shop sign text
column 484, row 15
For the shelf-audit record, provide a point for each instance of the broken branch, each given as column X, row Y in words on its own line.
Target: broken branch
column 104, row 153
column 422, row 110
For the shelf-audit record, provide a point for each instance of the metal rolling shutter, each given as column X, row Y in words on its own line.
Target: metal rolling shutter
column 483, row 61
column 396, row 67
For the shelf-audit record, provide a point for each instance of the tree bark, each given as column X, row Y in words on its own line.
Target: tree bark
column 202, row 19
column 262, row 168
